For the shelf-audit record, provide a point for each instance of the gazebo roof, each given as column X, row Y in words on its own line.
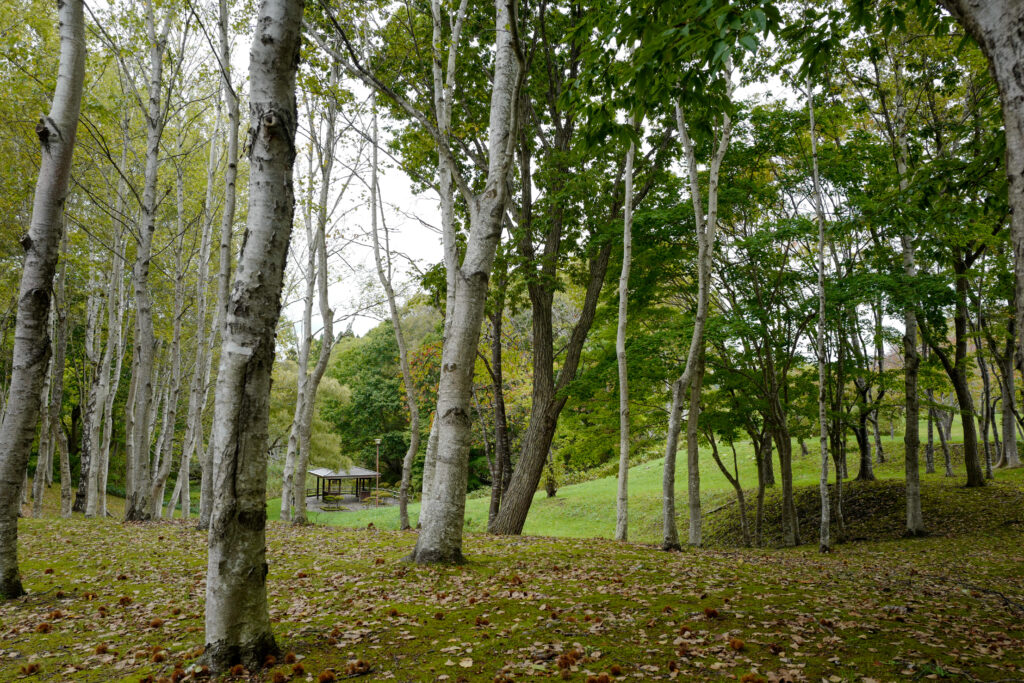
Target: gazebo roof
column 352, row 473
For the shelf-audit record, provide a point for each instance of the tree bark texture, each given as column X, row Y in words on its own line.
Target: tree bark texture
column 237, row 619
column 31, row 352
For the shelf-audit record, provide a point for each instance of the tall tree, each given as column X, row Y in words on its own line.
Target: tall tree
column 138, row 505
column 382, row 260
column 237, row 616
column 56, row 134
column 622, row 500
column 824, row 541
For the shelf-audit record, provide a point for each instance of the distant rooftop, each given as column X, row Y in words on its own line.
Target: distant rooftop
column 351, row 473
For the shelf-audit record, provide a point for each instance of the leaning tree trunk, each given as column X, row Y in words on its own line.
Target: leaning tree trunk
column 318, row 263
column 237, row 618
column 227, row 221
column 706, row 229
column 441, row 537
column 622, row 499
column 444, row 81
column 824, row 541
column 384, row 275
column 31, row 343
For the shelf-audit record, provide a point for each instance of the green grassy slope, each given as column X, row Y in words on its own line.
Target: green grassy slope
column 587, row 510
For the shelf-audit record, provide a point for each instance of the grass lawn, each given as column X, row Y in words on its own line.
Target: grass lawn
column 587, row 510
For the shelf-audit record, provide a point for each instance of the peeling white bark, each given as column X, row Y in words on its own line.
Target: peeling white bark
column 31, row 344
column 237, row 618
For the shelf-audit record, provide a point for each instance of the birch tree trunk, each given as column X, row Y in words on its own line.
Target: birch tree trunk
column 237, row 617
column 318, row 269
column 92, row 362
column 622, row 499
column 227, row 222
column 824, row 541
column 31, row 352
column 199, row 383
column 167, row 429
column 706, row 227
column 441, row 537
column 383, row 263
column 113, row 354
column 138, row 505
column 444, row 81
column 693, row 452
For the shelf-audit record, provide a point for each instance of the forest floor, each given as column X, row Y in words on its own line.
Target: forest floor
column 123, row 602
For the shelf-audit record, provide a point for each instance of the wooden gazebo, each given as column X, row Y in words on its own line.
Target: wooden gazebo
column 356, row 481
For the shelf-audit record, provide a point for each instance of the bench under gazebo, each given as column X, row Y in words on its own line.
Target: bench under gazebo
column 355, row 481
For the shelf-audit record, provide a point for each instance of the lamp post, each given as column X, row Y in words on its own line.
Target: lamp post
column 376, row 493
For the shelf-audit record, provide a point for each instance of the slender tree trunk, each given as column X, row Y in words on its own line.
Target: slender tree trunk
column 824, row 541
column 929, row 451
column 317, row 239
column 694, row 537
column 44, row 452
column 57, row 436
column 670, row 533
column 138, row 505
column 237, row 618
column 162, row 469
column 31, row 352
column 622, row 498
column 986, row 407
column 502, row 453
column 911, row 361
column 198, row 385
column 227, row 222
column 1010, row 456
column 944, row 419
column 383, row 263
column 734, row 479
column 706, row 228
column 92, row 363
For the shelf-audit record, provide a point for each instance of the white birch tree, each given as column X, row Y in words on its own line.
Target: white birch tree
column 237, row 615
column 31, row 354
column 622, row 497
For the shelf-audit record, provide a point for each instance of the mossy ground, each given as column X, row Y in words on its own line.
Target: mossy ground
column 946, row 606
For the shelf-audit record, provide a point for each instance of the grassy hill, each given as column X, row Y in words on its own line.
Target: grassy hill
column 587, row 510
